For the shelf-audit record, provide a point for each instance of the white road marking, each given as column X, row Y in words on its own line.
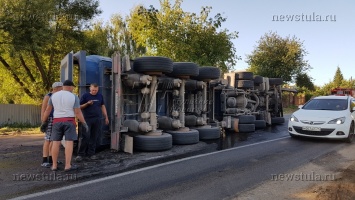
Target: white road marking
column 137, row 170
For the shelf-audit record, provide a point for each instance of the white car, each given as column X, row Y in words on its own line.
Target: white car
column 324, row 117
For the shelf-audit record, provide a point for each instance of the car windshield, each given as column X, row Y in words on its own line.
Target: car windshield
column 326, row 104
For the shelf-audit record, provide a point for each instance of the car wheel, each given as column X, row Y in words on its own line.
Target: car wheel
column 351, row 136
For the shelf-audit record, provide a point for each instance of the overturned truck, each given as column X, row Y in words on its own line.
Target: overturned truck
column 155, row 103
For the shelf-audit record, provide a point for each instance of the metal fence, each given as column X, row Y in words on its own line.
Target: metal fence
column 20, row 114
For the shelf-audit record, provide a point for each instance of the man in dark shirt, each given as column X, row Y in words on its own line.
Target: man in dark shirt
column 93, row 107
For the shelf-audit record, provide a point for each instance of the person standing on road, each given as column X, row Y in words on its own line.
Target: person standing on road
column 93, row 107
column 47, row 145
column 66, row 106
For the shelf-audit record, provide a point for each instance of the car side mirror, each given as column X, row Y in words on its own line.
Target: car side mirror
column 300, row 106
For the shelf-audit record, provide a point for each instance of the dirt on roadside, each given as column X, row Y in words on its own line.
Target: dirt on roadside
column 343, row 188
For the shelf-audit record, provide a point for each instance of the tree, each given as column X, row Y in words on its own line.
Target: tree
column 338, row 78
column 120, row 38
column 183, row 36
column 278, row 57
column 304, row 80
column 35, row 35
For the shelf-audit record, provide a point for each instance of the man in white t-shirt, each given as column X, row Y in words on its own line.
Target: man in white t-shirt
column 67, row 107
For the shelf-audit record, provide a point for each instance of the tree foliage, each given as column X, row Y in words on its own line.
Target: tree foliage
column 304, row 80
column 338, row 78
column 121, row 39
column 279, row 57
column 35, row 35
column 183, row 36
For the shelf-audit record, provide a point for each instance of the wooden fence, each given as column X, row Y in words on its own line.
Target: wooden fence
column 20, row 114
column 292, row 99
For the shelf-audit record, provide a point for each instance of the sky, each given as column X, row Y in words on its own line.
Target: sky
column 329, row 38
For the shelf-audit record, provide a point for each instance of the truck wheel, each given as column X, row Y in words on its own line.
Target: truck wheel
column 209, row 133
column 275, row 81
column 246, row 119
column 246, row 128
column 260, row 123
column 244, row 76
column 207, row 73
column 277, row 120
column 153, row 143
column 261, row 87
column 185, row 137
column 181, row 69
column 247, row 84
column 258, row 79
column 152, row 64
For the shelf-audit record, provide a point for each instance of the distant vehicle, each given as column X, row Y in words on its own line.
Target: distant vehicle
column 343, row 92
column 325, row 117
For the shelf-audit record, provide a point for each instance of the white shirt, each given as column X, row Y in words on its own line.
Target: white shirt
column 63, row 103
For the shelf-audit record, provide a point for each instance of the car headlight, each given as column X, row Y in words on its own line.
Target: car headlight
column 293, row 119
column 340, row 120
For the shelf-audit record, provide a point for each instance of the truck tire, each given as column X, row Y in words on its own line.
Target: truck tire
column 209, row 133
column 185, row 137
column 277, row 120
column 181, row 69
column 246, row 119
column 261, row 87
column 275, row 81
column 246, row 128
column 207, row 73
column 258, row 79
column 244, row 76
column 246, row 84
column 152, row 64
column 260, row 124
column 153, row 143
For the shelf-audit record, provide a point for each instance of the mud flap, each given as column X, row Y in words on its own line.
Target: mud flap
column 127, row 144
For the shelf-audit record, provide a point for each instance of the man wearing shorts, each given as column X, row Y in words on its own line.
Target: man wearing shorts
column 67, row 107
column 47, row 145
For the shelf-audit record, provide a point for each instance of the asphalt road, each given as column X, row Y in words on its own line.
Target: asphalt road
column 218, row 175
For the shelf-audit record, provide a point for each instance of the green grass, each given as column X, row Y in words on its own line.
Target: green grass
column 291, row 109
column 18, row 129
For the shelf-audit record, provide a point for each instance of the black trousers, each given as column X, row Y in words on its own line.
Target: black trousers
column 88, row 140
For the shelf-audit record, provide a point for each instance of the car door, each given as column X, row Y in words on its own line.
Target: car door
column 352, row 108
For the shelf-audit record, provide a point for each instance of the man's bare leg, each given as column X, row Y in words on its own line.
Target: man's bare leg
column 68, row 153
column 55, row 153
